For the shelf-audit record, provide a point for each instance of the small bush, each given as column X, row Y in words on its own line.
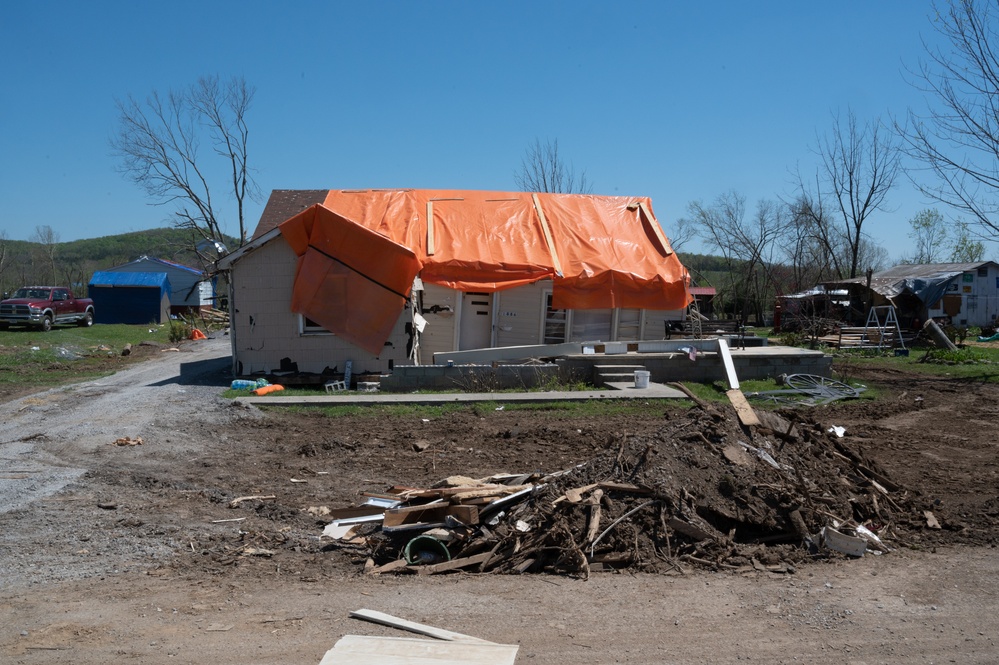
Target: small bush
column 179, row 331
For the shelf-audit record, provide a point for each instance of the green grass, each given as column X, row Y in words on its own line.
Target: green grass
column 972, row 363
column 33, row 360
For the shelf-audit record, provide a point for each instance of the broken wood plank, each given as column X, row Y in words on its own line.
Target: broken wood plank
column 594, row 527
column 454, row 564
column 387, row 567
column 631, row 488
column 745, row 412
column 254, row 497
column 688, row 529
column 363, row 649
column 421, row 629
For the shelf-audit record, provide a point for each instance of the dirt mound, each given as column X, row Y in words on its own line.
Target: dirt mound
column 699, row 489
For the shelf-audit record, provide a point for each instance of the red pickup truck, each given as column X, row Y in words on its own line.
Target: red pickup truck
column 44, row 306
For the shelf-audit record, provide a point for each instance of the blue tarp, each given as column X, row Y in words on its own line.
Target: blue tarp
column 130, row 297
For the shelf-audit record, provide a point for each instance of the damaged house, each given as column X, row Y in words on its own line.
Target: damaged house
column 390, row 277
column 965, row 294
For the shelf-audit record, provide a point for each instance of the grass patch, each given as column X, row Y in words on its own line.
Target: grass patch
column 973, row 363
column 32, row 360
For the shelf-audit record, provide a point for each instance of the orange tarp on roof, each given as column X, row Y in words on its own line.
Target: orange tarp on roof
column 600, row 251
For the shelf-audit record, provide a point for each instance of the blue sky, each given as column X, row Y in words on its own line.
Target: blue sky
column 679, row 101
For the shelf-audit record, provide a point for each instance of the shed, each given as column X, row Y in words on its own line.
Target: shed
column 190, row 288
column 130, row 297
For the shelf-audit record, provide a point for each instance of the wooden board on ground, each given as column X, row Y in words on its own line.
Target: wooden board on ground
column 364, row 650
column 413, row 627
column 746, row 414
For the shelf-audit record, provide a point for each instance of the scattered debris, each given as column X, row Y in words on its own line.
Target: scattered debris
column 808, row 390
column 255, row 497
column 702, row 490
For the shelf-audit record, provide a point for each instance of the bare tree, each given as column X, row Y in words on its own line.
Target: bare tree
column 681, row 233
column 544, row 170
column 47, row 239
column 750, row 246
column 158, row 142
column 956, row 137
column 859, row 167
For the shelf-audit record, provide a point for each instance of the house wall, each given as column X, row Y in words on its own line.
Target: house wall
column 654, row 322
column 979, row 297
column 265, row 330
column 439, row 335
column 518, row 314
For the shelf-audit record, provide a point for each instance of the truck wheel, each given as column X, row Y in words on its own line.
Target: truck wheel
column 46, row 324
column 86, row 321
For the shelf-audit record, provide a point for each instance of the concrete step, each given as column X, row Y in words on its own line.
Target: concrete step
column 597, row 369
column 604, row 375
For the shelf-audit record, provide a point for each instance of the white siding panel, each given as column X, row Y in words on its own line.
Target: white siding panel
column 439, row 335
column 518, row 314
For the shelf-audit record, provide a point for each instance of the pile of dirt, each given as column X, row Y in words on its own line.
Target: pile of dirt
column 701, row 489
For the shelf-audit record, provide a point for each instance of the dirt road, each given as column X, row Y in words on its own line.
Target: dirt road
column 118, row 553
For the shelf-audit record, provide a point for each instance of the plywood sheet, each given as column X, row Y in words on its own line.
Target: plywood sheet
column 364, row 650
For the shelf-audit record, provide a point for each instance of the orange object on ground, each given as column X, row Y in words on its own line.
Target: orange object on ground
column 197, row 334
column 263, row 390
column 360, row 250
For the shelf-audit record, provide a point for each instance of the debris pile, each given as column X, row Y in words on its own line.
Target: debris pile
column 701, row 490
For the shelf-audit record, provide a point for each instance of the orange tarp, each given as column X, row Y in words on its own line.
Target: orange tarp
column 600, row 252
column 351, row 281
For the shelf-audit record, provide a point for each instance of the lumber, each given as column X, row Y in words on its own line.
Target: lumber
column 726, row 356
column 745, row 412
column 255, row 497
column 364, row 649
column 454, row 564
column 421, row 629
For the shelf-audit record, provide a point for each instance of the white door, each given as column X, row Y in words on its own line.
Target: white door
column 476, row 327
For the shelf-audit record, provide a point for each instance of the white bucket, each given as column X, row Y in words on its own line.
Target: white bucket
column 641, row 378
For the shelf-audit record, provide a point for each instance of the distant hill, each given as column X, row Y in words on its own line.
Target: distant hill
column 73, row 263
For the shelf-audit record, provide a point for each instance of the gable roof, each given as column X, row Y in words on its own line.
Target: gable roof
column 156, row 263
column 284, row 204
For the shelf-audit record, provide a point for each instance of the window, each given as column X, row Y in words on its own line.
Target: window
column 983, row 271
column 307, row 326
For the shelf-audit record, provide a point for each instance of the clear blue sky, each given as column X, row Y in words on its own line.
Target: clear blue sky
column 678, row 101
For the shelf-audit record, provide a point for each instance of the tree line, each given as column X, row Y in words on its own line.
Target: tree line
column 44, row 260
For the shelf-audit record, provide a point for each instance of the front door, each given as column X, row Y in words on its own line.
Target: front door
column 476, row 328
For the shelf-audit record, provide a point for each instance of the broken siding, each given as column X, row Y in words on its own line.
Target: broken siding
column 975, row 292
column 440, row 311
column 265, row 330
